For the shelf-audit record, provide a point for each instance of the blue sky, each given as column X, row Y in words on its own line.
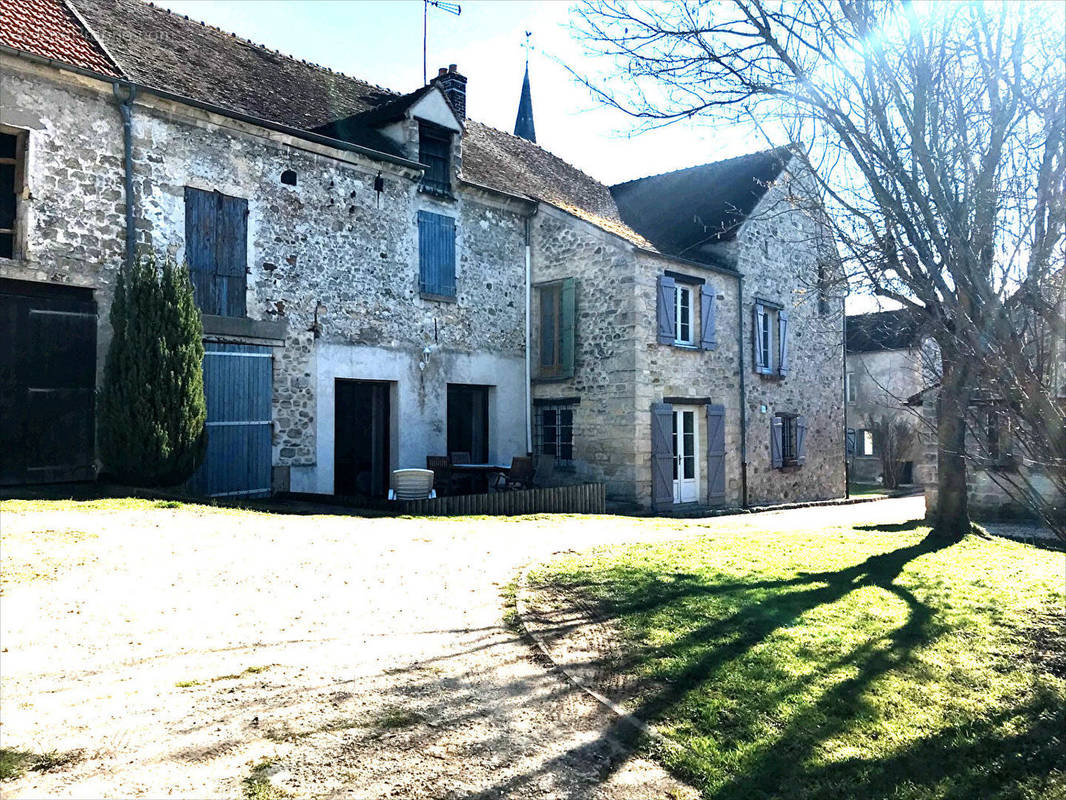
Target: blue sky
column 381, row 42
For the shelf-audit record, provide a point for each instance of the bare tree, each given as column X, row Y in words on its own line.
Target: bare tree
column 935, row 133
column 894, row 436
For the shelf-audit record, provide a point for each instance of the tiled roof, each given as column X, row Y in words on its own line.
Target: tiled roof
column 168, row 51
column 47, row 28
column 679, row 211
column 172, row 52
column 898, row 329
column 510, row 164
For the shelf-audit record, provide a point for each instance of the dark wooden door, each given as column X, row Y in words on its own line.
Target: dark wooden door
column 47, row 383
column 238, row 388
column 468, row 421
column 361, row 438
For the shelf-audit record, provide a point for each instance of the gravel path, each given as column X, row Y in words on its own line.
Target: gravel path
column 173, row 650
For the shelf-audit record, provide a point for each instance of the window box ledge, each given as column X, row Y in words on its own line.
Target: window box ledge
column 438, row 298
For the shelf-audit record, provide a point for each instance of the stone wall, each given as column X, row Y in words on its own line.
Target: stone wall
column 778, row 249
column 605, row 325
column 330, row 243
column 882, row 381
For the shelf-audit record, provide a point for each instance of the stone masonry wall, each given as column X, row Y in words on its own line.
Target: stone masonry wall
column 329, row 242
column 778, row 250
column 604, row 375
column 665, row 370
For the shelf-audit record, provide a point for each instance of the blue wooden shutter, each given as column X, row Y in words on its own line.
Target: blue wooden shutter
column 567, row 318
column 436, row 254
column 200, row 247
column 715, row 455
column 758, row 313
column 782, row 342
column 849, row 439
column 776, row 429
column 662, row 454
column 708, row 334
column 801, row 439
column 231, row 255
column 665, row 310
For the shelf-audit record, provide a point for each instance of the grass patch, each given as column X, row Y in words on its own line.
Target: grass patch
column 284, row 733
column 838, row 662
column 394, row 718
column 14, row 763
column 232, row 676
column 257, row 785
column 187, row 684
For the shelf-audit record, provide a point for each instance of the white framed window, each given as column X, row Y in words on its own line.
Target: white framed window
column 867, row 443
column 683, row 316
column 849, row 386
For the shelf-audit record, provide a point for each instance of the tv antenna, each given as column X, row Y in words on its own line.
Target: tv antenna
column 451, row 8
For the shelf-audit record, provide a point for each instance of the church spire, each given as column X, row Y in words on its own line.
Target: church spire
column 523, row 124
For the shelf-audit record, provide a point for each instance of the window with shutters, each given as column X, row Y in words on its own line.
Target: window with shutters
column 866, row 442
column 849, row 386
column 686, row 312
column 216, row 250
column 556, row 329
column 436, row 256
column 555, row 433
column 788, row 433
column 770, row 340
column 11, row 170
column 435, row 152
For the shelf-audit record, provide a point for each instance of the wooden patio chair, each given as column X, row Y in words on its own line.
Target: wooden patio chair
column 519, row 476
column 460, row 457
column 412, row 484
column 442, row 473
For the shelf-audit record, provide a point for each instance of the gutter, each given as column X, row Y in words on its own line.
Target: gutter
column 529, row 328
column 163, row 94
column 125, row 109
column 743, row 394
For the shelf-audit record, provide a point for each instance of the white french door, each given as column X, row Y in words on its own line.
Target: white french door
column 686, row 458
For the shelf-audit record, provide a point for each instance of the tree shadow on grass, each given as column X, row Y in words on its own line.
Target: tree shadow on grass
column 785, row 762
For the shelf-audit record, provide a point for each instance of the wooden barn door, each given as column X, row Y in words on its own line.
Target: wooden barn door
column 47, row 383
column 238, row 388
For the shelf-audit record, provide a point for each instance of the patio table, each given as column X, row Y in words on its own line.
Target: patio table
column 480, row 474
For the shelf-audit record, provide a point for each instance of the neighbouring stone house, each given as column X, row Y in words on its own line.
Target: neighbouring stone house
column 888, row 361
column 365, row 261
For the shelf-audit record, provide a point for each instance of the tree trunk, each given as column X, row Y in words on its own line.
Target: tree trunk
column 952, row 512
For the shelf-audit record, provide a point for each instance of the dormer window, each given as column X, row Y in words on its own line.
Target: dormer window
column 435, row 152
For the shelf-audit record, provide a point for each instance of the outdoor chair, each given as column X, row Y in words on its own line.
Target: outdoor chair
column 464, row 483
column 545, row 469
column 519, row 476
column 460, row 457
column 442, row 473
column 412, row 484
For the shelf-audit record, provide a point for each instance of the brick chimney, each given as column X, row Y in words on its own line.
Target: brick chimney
column 454, row 87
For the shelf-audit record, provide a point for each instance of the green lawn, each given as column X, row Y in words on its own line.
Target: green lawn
column 841, row 663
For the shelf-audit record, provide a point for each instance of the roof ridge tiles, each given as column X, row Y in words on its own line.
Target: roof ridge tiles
column 701, row 166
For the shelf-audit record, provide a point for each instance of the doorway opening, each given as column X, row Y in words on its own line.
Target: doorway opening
column 686, row 460
column 468, row 421
column 361, row 438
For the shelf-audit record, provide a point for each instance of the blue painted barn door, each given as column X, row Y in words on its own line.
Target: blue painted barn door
column 237, row 386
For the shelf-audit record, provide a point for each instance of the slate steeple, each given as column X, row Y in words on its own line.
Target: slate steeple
column 523, row 124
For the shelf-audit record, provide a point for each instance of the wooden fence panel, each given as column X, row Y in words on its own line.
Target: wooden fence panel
column 587, row 498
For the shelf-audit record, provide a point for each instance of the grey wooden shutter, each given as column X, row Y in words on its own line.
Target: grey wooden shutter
column 776, row 459
column 436, row 254
column 200, row 248
column 801, row 439
column 849, row 438
column 665, row 310
column 708, row 335
column 231, row 255
column 782, row 342
column 567, row 317
column 758, row 314
column 715, row 455
column 662, row 454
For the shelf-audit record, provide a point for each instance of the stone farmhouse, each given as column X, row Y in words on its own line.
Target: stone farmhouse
column 887, row 363
column 383, row 279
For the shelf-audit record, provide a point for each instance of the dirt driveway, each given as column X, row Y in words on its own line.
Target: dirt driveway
column 197, row 652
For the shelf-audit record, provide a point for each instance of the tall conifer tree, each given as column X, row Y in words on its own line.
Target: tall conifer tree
column 152, row 408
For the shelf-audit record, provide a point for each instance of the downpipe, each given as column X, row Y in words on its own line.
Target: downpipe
column 529, row 329
column 743, row 394
column 125, row 94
